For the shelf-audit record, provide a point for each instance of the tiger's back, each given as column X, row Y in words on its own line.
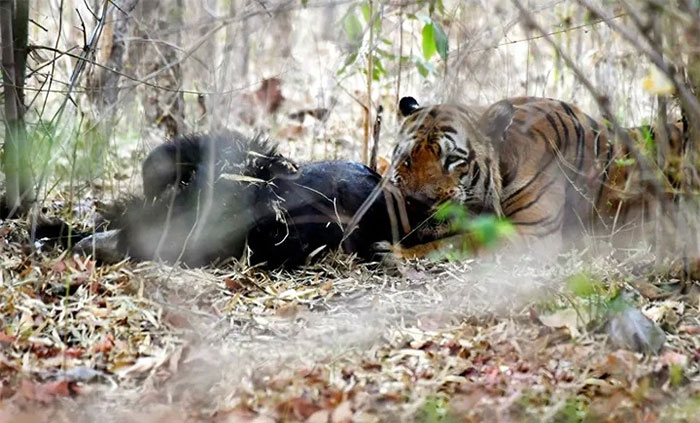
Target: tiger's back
column 542, row 163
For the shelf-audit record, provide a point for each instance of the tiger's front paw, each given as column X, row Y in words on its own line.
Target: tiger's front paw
column 388, row 255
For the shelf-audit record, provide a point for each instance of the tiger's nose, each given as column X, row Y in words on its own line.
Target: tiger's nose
column 452, row 192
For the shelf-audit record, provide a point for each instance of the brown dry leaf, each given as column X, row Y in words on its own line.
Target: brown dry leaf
column 59, row 266
column 242, row 416
column 342, row 413
column 321, row 416
column 649, row 290
column 620, row 363
column 290, row 131
column 674, row 358
column 176, row 320
column 105, row 345
column 299, row 408
column 74, row 352
column 690, row 330
column 566, row 318
column 289, row 310
column 6, row 339
column 46, row 392
column 667, row 312
column 383, row 165
column 607, row 405
column 142, row 365
column 233, row 285
column 10, row 415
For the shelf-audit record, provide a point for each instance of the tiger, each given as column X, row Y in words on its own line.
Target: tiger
column 541, row 163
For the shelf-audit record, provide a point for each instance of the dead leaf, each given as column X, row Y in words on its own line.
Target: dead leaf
column 6, row 339
column 105, row 345
column 74, row 352
column 288, row 310
column 690, row 330
column 342, row 413
column 299, row 408
column 233, row 285
column 290, row 131
column 176, row 319
column 321, row 416
column 142, row 365
column 673, row 358
column 566, row 318
column 649, row 290
column 46, row 392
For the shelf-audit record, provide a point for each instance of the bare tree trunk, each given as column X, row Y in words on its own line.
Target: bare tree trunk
column 234, row 68
column 165, row 106
column 690, row 209
column 18, row 175
column 105, row 81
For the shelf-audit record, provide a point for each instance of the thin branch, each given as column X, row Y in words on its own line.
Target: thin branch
column 375, row 138
column 601, row 99
column 88, row 50
column 653, row 56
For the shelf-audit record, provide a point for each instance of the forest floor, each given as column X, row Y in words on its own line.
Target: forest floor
column 471, row 341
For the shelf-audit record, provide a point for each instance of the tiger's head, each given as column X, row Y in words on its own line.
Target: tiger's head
column 449, row 152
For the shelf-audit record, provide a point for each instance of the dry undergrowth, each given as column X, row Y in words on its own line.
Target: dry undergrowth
column 335, row 342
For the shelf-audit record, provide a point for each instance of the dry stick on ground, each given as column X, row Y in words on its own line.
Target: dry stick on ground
column 375, row 138
column 602, row 100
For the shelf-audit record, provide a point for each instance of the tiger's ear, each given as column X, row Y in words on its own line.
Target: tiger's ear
column 408, row 105
column 496, row 119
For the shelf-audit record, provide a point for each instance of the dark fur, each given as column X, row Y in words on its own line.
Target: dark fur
column 318, row 206
column 203, row 194
column 206, row 195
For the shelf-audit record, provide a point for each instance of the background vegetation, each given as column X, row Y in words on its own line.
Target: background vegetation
column 106, row 80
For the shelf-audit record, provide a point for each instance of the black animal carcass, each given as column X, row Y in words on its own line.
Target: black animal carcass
column 206, row 196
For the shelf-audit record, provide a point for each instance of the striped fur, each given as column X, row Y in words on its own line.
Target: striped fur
column 540, row 162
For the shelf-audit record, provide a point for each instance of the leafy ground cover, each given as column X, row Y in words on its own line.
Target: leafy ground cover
column 338, row 341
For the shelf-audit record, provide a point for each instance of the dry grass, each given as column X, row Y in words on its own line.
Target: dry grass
column 357, row 342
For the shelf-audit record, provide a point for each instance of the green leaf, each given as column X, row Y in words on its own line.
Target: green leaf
column 378, row 69
column 675, row 374
column 451, row 211
column 349, row 60
column 353, row 28
column 366, row 12
column 304, row 3
column 649, row 141
column 422, row 69
column 625, row 162
column 441, row 42
column 582, row 285
column 489, row 229
column 385, row 54
column 428, row 41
